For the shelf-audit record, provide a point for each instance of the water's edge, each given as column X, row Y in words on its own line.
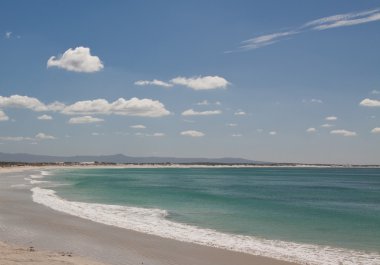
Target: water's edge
column 153, row 221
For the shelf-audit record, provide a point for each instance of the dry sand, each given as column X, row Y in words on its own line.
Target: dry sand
column 12, row 255
column 25, row 224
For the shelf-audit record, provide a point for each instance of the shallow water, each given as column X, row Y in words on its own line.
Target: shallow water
column 310, row 207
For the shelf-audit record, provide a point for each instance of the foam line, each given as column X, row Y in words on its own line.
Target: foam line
column 153, row 221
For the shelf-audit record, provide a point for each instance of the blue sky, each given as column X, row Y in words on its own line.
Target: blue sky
column 284, row 81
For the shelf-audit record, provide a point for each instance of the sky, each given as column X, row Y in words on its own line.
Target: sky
column 280, row 81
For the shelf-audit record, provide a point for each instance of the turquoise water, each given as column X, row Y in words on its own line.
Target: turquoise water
column 337, row 207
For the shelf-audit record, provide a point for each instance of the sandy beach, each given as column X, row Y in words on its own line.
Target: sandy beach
column 53, row 236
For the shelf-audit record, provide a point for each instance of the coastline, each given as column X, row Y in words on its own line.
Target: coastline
column 24, row 222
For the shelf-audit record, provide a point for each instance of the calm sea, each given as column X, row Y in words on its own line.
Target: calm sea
column 337, row 209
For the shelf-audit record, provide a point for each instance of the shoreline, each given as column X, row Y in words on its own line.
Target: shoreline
column 20, row 168
column 51, row 230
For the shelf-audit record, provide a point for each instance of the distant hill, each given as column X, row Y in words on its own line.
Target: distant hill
column 120, row 158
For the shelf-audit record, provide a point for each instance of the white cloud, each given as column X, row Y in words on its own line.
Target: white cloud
column 231, row 124
column 84, row 119
column 43, row 136
column 150, row 135
column 240, row 113
column 45, row 117
column 77, row 60
column 206, row 103
column 313, row 100
column 158, row 134
column 265, row 40
column 131, row 107
column 327, row 125
column 375, row 130
column 17, row 101
column 376, row 92
column 191, row 112
column 331, row 118
column 3, row 116
column 370, row 103
column 138, row 126
column 335, row 21
column 39, row 136
column 343, row 132
column 237, row 135
column 8, row 34
column 192, row 133
column 201, row 83
column 154, row 82
column 311, row 130
column 95, row 134
column 343, row 20
column 121, row 106
column 272, row 133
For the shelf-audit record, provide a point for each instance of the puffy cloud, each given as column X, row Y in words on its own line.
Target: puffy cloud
column 375, row 130
column 43, row 136
column 8, row 34
column 201, row 83
column 331, row 118
column 311, row 130
column 240, row 113
column 45, row 117
column 77, row 60
column 154, row 82
column 138, row 126
column 84, row 119
column 3, row 116
column 192, row 133
column 272, row 133
column 343, row 132
column 376, row 92
column 25, row 102
column 191, row 112
column 237, row 135
column 17, row 101
column 131, row 107
column 370, row 103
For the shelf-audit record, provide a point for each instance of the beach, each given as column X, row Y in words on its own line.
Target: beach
column 26, row 224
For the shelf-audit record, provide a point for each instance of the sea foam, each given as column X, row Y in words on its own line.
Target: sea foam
column 153, row 221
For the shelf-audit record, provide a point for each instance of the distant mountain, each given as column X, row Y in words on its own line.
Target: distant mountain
column 120, row 158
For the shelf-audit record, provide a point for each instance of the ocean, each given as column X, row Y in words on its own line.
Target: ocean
column 306, row 215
